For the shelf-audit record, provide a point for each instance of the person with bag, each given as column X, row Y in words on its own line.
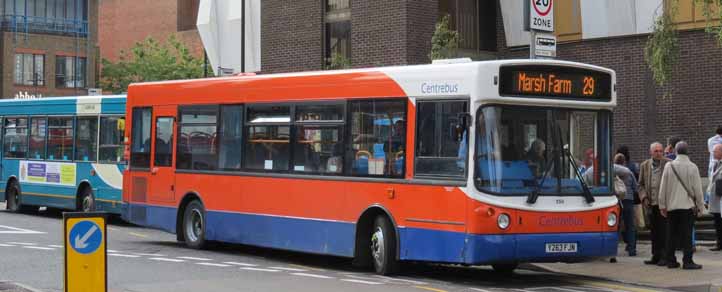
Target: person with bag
column 650, row 178
column 681, row 201
column 714, row 189
column 628, row 215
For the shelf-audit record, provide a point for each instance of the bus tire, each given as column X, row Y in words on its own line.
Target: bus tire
column 12, row 195
column 86, row 200
column 194, row 227
column 383, row 246
column 506, row 268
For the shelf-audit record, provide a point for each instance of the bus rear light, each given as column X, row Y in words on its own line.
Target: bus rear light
column 503, row 221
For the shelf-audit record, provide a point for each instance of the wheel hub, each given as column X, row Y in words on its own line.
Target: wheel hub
column 195, row 228
column 377, row 246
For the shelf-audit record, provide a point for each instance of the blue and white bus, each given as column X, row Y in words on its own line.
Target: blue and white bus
column 64, row 152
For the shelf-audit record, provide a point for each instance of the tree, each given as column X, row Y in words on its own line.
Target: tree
column 445, row 41
column 662, row 48
column 150, row 60
column 338, row 61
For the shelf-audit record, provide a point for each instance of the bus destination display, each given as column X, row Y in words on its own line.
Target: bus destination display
column 555, row 81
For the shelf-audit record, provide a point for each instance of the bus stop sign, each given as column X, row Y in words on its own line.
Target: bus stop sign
column 85, row 252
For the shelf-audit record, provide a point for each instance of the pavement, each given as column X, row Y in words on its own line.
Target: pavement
column 632, row 270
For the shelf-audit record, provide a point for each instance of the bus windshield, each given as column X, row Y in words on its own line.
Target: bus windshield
column 546, row 151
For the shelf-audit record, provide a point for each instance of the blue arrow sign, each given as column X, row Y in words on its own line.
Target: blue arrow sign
column 85, row 237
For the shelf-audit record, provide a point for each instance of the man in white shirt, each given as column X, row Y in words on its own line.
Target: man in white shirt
column 711, row 142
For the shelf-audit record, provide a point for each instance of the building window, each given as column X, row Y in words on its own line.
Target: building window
column 30, row 69
column 475, row 20
column 338, row 32
column 70, row 72
column 187, row 14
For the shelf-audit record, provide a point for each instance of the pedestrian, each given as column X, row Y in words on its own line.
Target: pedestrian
column 715, row 182
column 680, row 200
column 650, row 177
column 630, row 226
column 634, row 167
column 711, row 142
column 669, row 151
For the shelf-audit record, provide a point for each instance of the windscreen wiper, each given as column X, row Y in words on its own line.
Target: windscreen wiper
column 534, row 194
column 587, row 193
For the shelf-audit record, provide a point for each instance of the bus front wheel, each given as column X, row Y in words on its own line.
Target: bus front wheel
column 194, row 225
column 383, row 246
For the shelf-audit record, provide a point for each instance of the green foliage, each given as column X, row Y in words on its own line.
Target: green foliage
column 445, row 41
column 150, row 60
column 662, row 50
column 708, row 7
column 338, row 61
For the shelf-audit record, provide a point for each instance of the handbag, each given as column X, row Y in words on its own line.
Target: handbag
column 620, row 189
column 689, row 194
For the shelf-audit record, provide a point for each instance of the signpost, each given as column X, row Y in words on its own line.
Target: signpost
column 541, row 18
column 545, row 45
column 85, row 252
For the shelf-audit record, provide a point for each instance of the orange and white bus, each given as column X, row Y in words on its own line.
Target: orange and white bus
column 476, row 163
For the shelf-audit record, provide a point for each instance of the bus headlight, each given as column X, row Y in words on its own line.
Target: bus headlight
column 503, row 221
column 611, row 219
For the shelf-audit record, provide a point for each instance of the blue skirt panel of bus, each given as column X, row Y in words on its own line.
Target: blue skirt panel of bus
column 58, row 195
column 337, row 238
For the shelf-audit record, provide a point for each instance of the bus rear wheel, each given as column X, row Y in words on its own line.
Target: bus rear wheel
column 86, row 200
column 505, row 268
column 194, row 225
column 383, row 246
column 13, row 197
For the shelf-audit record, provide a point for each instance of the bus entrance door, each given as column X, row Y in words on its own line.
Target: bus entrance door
column 162, row 182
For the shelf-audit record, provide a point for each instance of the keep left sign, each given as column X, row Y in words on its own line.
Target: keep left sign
column 85, row 252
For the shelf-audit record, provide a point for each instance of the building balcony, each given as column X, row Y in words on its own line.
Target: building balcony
column 44, row 25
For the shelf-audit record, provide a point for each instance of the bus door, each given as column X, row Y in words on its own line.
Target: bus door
column 162, row 181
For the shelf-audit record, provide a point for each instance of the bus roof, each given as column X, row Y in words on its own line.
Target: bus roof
column 69, row 105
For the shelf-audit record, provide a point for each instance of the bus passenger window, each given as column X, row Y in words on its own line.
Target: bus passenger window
column 378, row 138
column 140, row 146
column 60, row 138
column 318, row 147
column 111, row 139
column 16, row 137
column 86, row 139
column 163, row 142
column 197, row 144
column 439, row 152
column 229, row 152
column 38, row 131
column 268, row 133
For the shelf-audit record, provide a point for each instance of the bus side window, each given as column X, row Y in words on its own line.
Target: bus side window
column 86, row 135
column 140, row 146
column 439, row 150
column 60, row 138
column 111, row 139
column 378, row 138
column 38, row 132
column 15, row 139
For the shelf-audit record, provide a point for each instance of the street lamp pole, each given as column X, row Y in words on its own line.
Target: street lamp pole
column 243, row 36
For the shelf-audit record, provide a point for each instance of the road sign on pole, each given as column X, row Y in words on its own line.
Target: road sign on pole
column 85, row 251
column 541, row 15
column 545, row 45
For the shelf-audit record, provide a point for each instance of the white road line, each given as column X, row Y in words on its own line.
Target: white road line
column 123, row 255
column 6, row 245
column 401, row 280
column 361, row 281
column 38, row 247
column 479, row 289
column 350, row 275
column 289, row 269
column 21, row 243
column 15, row 230
column 312, row 275
column 213, row 264
column 259, row 269
column 112, row 250
column 149, row 254
column 195, row 259
column 240, row 264
column 167, row 260
column 55, row 246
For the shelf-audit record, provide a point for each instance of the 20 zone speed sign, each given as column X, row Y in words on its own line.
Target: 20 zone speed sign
column 541, row 15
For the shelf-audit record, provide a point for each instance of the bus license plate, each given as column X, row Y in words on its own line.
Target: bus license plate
column 561, row 247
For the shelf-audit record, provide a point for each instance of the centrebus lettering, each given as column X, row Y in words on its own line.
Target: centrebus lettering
column 541, row 84
column 560, row 221
column 444, row 88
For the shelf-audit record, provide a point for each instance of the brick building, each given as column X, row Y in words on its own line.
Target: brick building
column 126, row 22
column 49, row 47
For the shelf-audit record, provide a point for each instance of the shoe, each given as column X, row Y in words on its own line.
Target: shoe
column 613, row 260
column 673, row 265
column 662, row 263
column 716, row 248
column 651, row 262
column 691, row 266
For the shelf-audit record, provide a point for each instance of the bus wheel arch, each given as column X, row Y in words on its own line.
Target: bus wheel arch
column 365, row 228
column 84, row 198
column 187, row 199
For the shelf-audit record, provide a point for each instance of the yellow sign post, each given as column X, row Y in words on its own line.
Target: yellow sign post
column 85, row 252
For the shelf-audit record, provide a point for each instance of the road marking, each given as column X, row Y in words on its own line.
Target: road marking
column 351, row 275
column 55, row 246
column 307, row 267
column 123, row 255
column 240, row 264
column 312, row 275
column 402, row 280
column 361, row 281
column 150, row 254
column 479, row 289
column 260, row 270
column 167, row 260
column 112, row 250
column 288, row 269
column 430, row 289
column 553, row 288
column 15, row 230
column 138, row 234
column 195, row 259
column 21, row 243
column 6, row 245
column 213, row 264
column 38, row 247
column 611, row 286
